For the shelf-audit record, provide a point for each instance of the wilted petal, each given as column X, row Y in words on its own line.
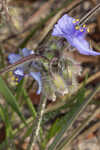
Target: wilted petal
column 37, row 77
column 13, row 58
column 60, row 84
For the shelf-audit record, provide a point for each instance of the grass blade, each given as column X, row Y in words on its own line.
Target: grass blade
column 72, row 116
column 65, row 142
column 10, row 99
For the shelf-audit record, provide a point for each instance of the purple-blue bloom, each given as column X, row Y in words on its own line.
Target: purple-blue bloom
column 13, row 58
column 21, row 70
column 68, row 28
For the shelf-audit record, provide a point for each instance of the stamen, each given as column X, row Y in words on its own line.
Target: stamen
column 81, row 30
column 88, row 30
column 16, row 83
column 13, row 78
column 84, row 26
column 16, row 79
column 77, row 19
column 77, row 27
column 74, row 21
column 10, row 73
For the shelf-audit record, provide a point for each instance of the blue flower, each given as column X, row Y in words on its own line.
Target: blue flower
column 68, row 28
column 13, row 58
column 18, row 73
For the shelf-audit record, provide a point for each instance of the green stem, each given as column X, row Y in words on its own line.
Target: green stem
column 37, row 123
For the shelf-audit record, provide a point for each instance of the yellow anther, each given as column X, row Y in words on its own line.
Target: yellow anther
column 16, row 83
column 74, row 21
column 77, row 27
column 81, row 30
column 16, row 79
column 10, row 73
column 12, row 78
column 77, row 19
column 88, row 30
column 84, row 26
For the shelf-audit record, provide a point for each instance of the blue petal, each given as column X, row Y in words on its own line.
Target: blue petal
column 19, row 78
column 18, row 74
column 83, row 47
column 69, row 39
column 57, row 31
column 19, row 71
column 64, row 26
column 27, row 52
column 37, row 77
column 84, row 42
column 13, row 58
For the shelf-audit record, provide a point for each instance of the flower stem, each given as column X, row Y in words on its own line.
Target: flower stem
column 23, row 61
column 89, row 14
column 37, row 123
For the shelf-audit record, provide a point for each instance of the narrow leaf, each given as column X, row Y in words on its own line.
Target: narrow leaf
column 10, row 98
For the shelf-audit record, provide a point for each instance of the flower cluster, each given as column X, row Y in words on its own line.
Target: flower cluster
column 62, row 81
column 68, row 28
column 24, row 69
